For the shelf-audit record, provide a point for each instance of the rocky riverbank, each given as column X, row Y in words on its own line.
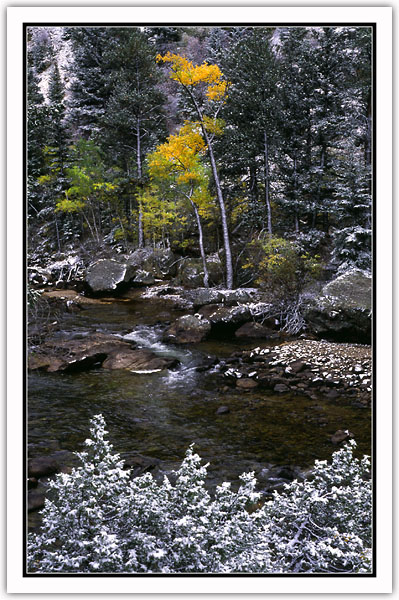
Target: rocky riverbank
column 305, row 367
column 339, row 310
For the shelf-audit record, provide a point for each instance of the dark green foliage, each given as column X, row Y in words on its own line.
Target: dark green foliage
column 163, row 38
column 57, row 131
column 251, row 113
column 293, row 151
column 133, row 115
column 90, row 87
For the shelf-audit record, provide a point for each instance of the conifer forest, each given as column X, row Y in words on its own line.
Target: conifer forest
column 199, row 260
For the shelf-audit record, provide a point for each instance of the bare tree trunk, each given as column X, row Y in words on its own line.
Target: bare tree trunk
column 95, row 223
column 89, row 226
column 296, row 222
column 225, row 227
column 253, row 185
column 367, row 145
column 201, row 244
column 295, row 194
column 266, row 170
column 139, row 174
column 57, row 233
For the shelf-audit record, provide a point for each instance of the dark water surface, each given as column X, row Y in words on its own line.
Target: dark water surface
column 161, row 414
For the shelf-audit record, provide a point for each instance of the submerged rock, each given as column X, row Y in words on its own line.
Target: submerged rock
column 341, row 436
column 84, row 353
column 43, row 465
column 246, row 383
column 137, row 361
column 223, row 410
column 36, row 499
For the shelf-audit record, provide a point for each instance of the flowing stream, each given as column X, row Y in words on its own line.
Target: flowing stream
column 160, row 414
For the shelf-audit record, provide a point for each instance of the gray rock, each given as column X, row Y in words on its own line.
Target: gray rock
column 191, row 272
column 297, row 366
column 105, row 275
column 223, row 410
column 343, row 309
column 188, row 329
column 202, row 296
column 341, row 436
column 146, row 264
column 142, row 278
column 229, row 315
column 43, row 465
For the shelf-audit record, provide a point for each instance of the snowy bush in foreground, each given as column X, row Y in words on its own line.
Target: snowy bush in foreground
column 101, row 520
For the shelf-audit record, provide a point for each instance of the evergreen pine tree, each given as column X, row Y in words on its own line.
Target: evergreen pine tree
column 37, row 132
column 90, row 83
column 58, row 137
column 133, row 117
column 251, row 112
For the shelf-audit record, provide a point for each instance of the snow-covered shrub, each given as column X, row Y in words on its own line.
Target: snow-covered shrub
column 323, row 525
column 98, row 519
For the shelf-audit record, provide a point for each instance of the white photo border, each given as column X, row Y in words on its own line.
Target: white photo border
column 382, row 344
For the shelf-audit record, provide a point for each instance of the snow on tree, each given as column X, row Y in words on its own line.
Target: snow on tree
column 99, row 520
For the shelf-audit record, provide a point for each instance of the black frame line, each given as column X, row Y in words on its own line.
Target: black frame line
column 373, row 26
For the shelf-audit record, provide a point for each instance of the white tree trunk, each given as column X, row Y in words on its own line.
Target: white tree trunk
column 139, row 175
column 201, row 244
column 225, row 227
column 226, row 240
column 267, row 198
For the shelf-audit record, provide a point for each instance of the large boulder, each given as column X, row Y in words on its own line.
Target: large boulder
column 226, row 315
column 147, row 264
column 105, row 276
column 202, row 296
column 342, row 312
column 191, row 272
column 188, row 329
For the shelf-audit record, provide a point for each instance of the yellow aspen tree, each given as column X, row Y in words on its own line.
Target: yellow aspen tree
column 205, row 87
column 179, row 160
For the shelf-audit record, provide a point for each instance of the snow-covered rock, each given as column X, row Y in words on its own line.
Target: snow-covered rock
column 105, row 275
column 342, row 311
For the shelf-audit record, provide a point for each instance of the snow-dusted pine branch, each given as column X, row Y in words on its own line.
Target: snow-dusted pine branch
column 99, row 520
